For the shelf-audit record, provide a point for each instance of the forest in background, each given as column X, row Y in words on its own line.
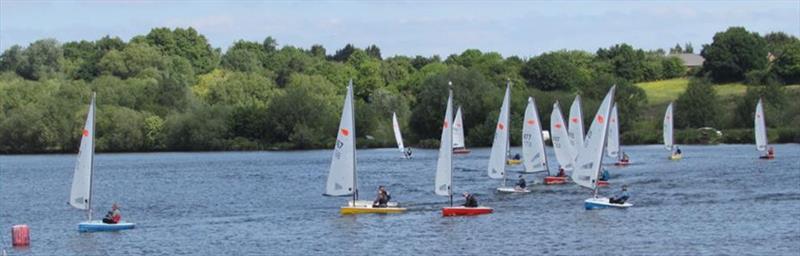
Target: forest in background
column 170, row 90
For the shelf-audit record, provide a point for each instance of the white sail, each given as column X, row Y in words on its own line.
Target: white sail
column 590, row 157
column 342, row 174
column 497, row 158
column 575, row 127
column 533, row 154
column 565, row 152
column 760, row 127
column 668, row 141
column 612, row 146
column 397, row 135
column 458, row 130
column 80, row 195
column 444, row 166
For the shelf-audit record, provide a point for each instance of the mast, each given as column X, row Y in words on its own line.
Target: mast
column 508, row 125
column 353, row 124
column 450, row 147
column 91, row 165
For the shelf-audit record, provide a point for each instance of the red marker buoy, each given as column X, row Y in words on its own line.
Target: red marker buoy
column 20, row 235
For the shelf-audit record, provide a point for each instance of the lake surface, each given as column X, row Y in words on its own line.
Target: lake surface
column 717, row 200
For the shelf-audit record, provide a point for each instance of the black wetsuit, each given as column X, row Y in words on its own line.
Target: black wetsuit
column 471, row 201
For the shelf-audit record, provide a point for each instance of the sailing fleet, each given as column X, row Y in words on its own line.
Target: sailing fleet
column 577, row 153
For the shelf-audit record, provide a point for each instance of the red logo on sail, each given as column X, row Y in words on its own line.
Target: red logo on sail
column 85, row 133
column 531, row 122
column 600, row 119
column 500, row 126
column 345, row 132
column 445, row 124
column 558, row 125
column 575, row 120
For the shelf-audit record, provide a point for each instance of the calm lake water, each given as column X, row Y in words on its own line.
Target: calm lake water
column 717, row 200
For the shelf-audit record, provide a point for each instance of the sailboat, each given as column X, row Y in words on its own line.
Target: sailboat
column 575, row 127
column 590, row 157
column 342, row 178
column 81, row 193
column 534, row 158
column 669, row 142
column 444, row 168
column 612, row 145
column 497, row 157
column 459, row 147
column 399, row 137
column 562, row 145
column 761, row 132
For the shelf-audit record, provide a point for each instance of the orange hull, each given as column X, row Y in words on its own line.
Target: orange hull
column 555, row 180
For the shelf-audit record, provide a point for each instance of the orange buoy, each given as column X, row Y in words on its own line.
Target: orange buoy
column 20, row 235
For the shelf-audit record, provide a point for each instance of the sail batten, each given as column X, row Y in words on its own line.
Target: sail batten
column 342, row 173
column 497, row 158
column 533, row 154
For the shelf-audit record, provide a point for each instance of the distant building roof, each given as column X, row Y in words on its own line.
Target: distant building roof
column 689, row 59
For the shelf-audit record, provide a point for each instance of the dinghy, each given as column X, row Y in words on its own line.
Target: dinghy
column 669, row 143
column 562, row 145
column 342, row 174
column 761, row 133
column 444, row 168
column 81, row 193
column 459, row 146
column 399, row 137
column 590, row 157
column 497, row 157
column 612, row 145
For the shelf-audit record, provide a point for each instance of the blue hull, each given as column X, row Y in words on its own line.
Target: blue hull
column 101, row 227
column 591, row 206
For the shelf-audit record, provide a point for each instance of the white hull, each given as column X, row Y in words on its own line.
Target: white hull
column 512, row 190
column 603, row 202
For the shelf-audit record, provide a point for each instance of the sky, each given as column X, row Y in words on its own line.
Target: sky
column 522, row 28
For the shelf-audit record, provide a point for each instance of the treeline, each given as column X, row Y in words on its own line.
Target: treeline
column 171, row 90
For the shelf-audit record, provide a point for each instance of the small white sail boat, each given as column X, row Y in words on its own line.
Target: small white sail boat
column 761, row 132
column 399, row 137
column 497, row 157
column 459, row 147
column 575, row 127
column 613, row 145
column 562, row 145
column 534, row 158
column 342, row 174
column 669, row 142
column 590, row 157
column 81, row 193
column 444, row 168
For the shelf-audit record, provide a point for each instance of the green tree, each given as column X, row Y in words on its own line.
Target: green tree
column 561, row 70
column 733, row 53
column 625, row 62
column 186, row 43
column 41, row 59
column 698, row 106
column 787, row 65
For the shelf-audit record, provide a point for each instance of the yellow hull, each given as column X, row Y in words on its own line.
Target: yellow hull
column 513, row 161
column 361, row 210
column 675, row 157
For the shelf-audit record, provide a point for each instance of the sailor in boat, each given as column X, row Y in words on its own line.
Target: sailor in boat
column 625, row 157
column 383, row 198
column 770, row 152
column 470, row 199
column 517, row 156
column 677, row 151
column 408, row 152
column 604, row 175
column 521, row 184
column 113, row 216
column 621, row 197
column 561, row 172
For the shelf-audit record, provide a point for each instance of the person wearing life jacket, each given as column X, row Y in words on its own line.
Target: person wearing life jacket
column 561, row 172
column 470, row 200
column 408, row 152
column 113, row 216
column 677, row 151
column 517, row 157
column 625, row 157
column 771, row 152
column 621, row 197
column 383, row 198
column 521, row 184
column 604, row 175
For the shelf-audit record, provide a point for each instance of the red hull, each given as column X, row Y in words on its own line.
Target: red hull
column 461, row 151
column 622, row 163
column 602, row 183
column 554, row 180
column 465, row 211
